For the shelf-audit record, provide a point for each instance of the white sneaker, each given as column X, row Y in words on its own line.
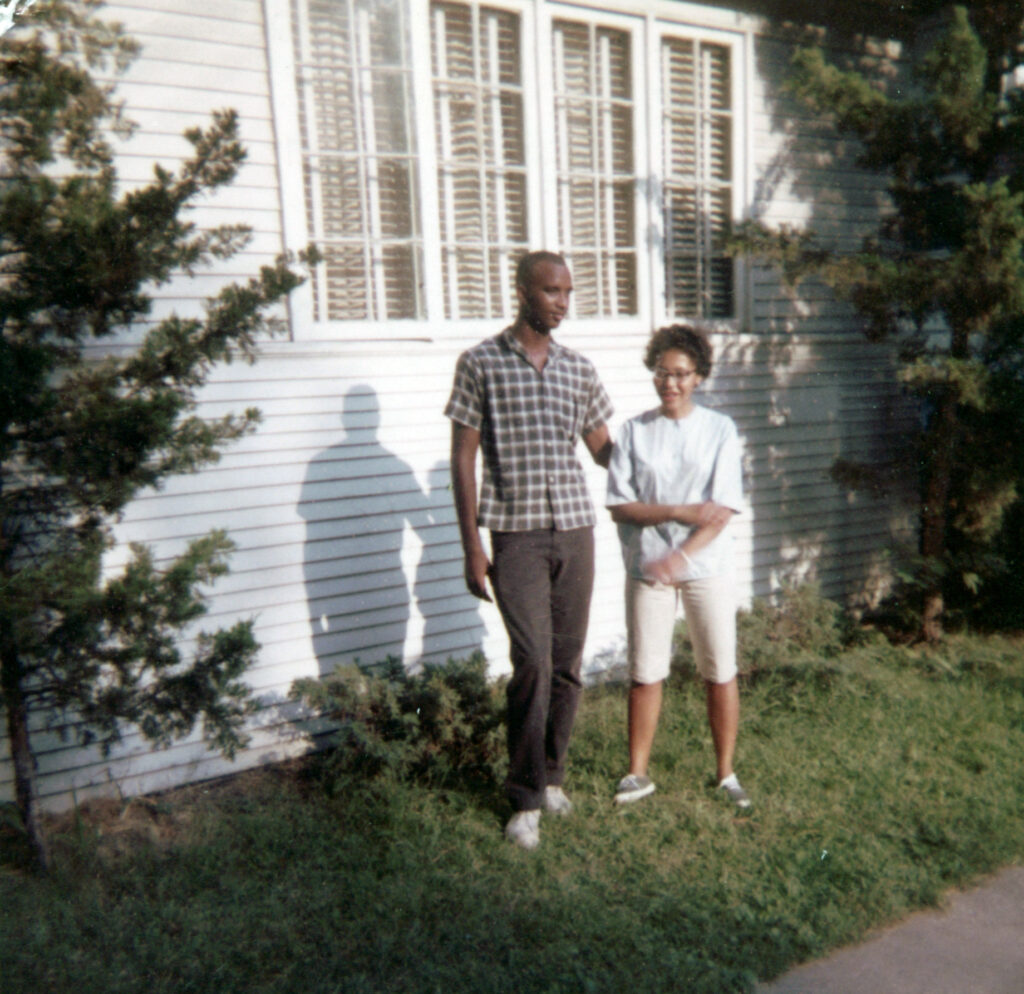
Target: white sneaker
column 632, row 787
column 556, row 802
column 523, row 829
column 735, row 792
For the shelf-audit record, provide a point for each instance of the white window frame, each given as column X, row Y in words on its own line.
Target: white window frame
column 634, row 26
column 525, row 12
column 646, row 23
column 740, row 47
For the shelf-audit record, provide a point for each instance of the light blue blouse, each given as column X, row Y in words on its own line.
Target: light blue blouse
column 660, row 460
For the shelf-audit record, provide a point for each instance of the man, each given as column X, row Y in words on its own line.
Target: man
column 524, row 401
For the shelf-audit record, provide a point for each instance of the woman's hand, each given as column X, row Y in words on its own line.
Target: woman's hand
column 702, row 515
column 675, row 567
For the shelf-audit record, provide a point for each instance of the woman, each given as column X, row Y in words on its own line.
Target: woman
column 674, row 483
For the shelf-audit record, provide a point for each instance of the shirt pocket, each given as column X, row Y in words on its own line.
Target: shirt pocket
column 568, row 416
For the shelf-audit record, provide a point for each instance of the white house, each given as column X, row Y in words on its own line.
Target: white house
column 423, row 145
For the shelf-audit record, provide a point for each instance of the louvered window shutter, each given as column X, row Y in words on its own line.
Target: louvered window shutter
column 697, row 171
column 595, row 166
column 478, row 116
column 359, row 162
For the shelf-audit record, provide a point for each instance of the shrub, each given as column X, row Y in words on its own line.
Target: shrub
column 439, row 726
column 801, row 632
column 803, row 625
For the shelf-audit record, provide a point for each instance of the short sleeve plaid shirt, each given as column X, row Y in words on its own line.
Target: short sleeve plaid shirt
column 529, row 424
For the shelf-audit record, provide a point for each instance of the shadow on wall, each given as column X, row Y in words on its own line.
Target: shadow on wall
column 452, row 626
column 365, row 513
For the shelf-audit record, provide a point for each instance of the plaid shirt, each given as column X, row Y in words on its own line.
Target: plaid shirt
column 529, row 424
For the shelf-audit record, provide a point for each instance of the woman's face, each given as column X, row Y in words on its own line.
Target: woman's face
column 675, row 379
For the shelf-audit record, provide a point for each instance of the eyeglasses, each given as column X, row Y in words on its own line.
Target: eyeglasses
column 680, row 377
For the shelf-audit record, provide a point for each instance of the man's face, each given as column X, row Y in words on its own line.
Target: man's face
column 545, row 301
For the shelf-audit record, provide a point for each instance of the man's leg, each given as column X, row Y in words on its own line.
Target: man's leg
column 572, row 582
column 519, row 577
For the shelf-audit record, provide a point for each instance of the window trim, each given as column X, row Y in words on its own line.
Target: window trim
column 634, row 25
column 739, row 46
column 525, row 11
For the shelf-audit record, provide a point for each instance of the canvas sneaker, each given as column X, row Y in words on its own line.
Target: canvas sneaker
column 523, row 829
column 632, row 787
column 731, row 786
column 556, row 801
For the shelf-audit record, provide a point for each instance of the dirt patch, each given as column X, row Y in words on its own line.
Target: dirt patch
column 156, row 821
column 124, row 826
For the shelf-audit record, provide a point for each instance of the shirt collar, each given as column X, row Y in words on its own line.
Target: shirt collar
column 555, row 351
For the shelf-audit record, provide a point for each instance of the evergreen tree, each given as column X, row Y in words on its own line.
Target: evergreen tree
column 943, row 277
column 86, row 424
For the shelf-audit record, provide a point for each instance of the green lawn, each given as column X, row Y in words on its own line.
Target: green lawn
column 881, row 777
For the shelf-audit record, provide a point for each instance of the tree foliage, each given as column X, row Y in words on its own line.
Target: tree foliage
column 86, row 423
column 943, row 276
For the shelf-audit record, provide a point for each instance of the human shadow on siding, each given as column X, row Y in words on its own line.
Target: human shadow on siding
column 359, row 500
column 452, row 626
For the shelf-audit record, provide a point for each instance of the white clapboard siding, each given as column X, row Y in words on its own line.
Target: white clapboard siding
column 347, row 548
column 196, row 59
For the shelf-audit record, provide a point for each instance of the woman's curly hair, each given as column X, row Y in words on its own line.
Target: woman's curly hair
column 686, row 339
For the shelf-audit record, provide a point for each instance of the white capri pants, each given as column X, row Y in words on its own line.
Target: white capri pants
column 710, row 608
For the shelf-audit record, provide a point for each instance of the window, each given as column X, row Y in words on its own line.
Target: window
column 481, row 164
column 595, row 177
column 441, row 139
column 696, row 177
column 359, row 163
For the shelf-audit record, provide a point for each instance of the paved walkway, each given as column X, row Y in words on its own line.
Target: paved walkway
column 974, row 945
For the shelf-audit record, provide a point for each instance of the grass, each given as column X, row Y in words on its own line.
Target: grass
column 881, row 777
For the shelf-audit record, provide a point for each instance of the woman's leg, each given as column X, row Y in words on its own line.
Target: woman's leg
column 710, row 607
column 644, row 710
column 650, row 621
column 723, row 701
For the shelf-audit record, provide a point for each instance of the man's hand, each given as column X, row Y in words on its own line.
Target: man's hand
column 477, row 568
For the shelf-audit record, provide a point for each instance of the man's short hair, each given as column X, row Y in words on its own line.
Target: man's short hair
column 684, row 338
column 530, row 261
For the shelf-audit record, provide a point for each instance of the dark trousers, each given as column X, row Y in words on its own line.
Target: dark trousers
column 542, row 582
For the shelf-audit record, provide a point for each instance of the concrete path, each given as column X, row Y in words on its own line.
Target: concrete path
column 974, row 945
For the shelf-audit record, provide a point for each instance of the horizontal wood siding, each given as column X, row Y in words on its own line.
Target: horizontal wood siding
column 196, row 59
column 824, row 392
column 340, row 503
